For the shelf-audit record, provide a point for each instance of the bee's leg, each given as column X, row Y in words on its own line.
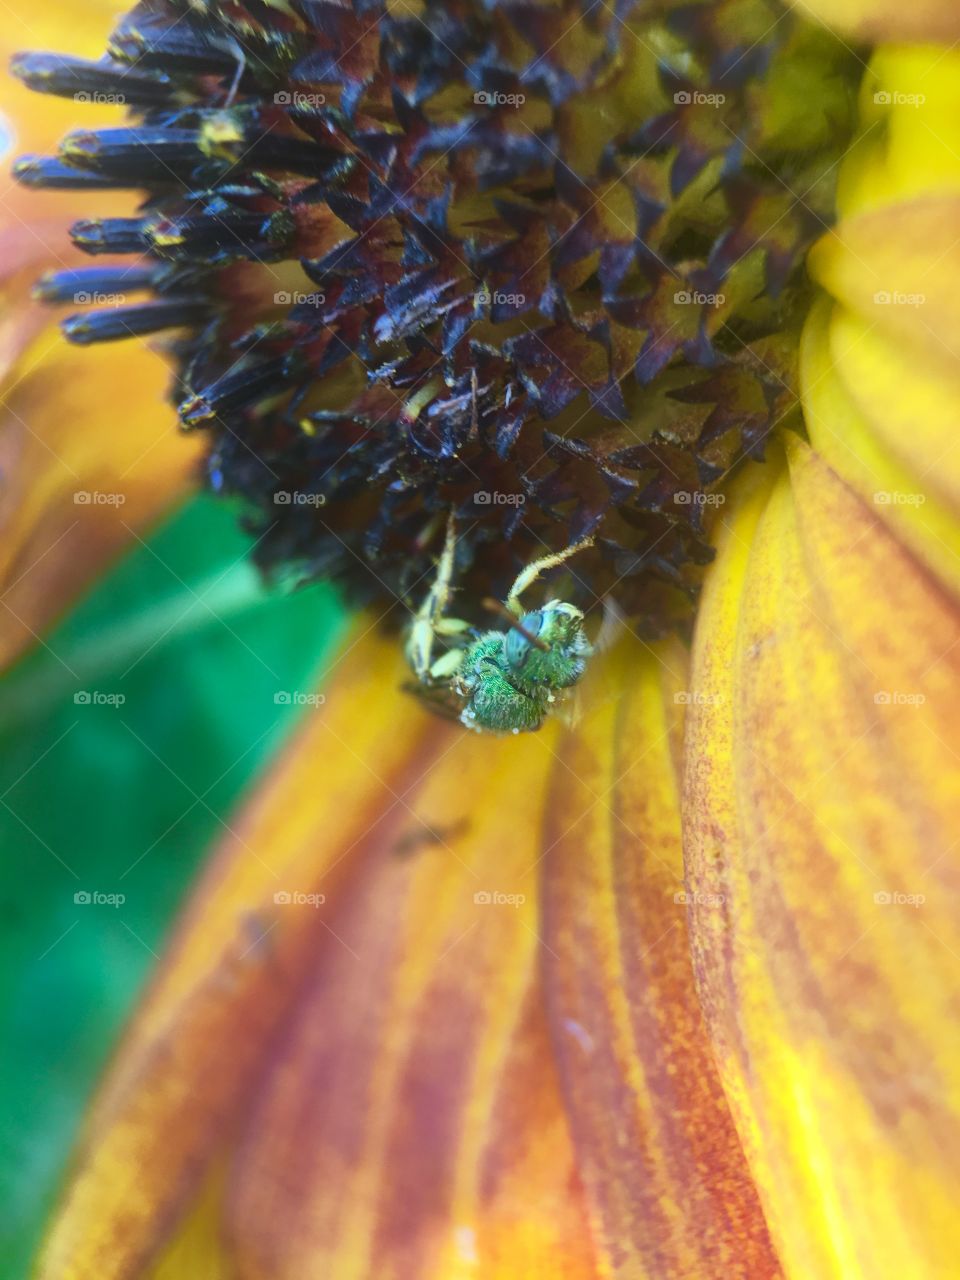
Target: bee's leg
column 429, row 621
column 447, row 665
column 528, row 576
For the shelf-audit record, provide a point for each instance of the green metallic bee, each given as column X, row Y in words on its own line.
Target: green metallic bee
column 499, row 681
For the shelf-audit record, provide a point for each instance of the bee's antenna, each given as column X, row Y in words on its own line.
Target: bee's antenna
column 502, row 611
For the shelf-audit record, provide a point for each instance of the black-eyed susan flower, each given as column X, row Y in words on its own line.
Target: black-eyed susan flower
column 567, row 273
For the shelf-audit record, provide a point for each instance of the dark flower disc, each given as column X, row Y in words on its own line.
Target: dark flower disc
column 541, row 264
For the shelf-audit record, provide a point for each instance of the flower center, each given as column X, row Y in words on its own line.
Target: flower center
column 540, row 267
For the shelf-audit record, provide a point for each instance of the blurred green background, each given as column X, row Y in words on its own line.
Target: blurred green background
column 125, row 798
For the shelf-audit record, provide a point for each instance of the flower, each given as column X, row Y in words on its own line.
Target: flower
column 554, row 293
column 447, row 1005
column 55, row 442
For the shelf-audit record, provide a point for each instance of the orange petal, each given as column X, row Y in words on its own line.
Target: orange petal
column 667, row 1182
column 371, row 1076
column 821, row 803
column 89, row 456
column 877, row 20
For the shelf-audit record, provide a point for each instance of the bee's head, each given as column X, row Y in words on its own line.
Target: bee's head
column 557, row 660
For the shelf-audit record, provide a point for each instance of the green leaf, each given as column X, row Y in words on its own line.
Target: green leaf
column 124, row 745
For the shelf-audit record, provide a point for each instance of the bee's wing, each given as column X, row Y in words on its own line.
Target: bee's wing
column 612, row 627
column 437, row 698
column 597, row 685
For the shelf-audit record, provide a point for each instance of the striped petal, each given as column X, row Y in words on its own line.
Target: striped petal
column 365, row 1082
column 363, row 1079
column 821, row 807
column 669, row 1191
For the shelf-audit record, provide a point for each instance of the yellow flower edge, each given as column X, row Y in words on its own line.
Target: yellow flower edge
column 820, row 798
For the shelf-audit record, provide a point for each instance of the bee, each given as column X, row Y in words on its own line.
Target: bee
column 498, row 681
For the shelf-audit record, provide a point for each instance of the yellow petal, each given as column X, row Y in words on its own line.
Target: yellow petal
column 880, row 370
column 89, row 457
column 887, row 19
column 74, row 423
column 371, row 1075
column 820, row 802
column 910, row 113
column 899, row 267
column 885, row 419
column 668, row 1186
